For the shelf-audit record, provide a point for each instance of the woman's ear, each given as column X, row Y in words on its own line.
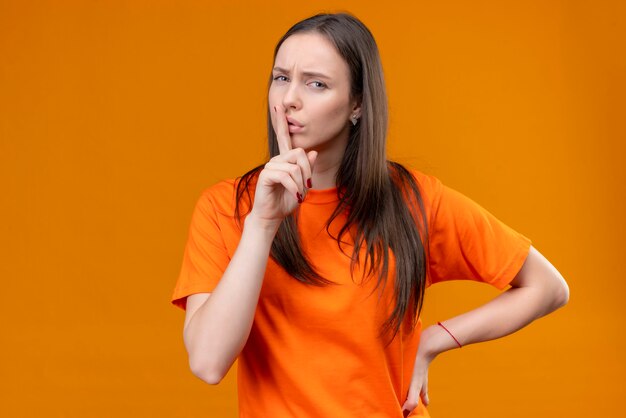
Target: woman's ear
column 356, row 109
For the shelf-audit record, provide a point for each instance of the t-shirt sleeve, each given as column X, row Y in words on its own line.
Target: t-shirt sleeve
column 468, row 243
column 205, row 257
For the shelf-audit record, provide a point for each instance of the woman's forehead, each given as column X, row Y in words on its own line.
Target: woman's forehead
column 310, row 52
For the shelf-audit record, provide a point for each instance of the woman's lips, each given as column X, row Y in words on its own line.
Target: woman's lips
column 293, row 121
column 294, row 129
column 294, row 125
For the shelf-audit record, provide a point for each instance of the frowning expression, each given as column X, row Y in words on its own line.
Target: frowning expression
column 312, row 83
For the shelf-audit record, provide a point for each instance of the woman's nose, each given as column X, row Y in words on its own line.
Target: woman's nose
column 291, row 99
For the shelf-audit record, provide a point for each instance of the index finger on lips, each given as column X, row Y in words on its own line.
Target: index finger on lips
column 282, row 130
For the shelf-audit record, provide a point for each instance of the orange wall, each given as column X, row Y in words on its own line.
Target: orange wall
column 115, row 115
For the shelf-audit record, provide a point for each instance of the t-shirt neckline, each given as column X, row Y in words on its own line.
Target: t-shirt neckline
column 321, row 196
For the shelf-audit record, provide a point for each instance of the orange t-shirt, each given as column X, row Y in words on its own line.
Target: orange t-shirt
column 314, row 351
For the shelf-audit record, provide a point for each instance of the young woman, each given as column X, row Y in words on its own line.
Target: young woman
column 311, row 269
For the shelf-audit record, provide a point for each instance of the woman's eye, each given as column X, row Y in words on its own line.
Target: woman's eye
column 318, row 84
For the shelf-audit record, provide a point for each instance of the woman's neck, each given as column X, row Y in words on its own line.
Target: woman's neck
column 325, row 175
column 328, row 162
column 325, row 170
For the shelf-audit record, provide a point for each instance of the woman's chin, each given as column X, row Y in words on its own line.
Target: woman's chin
column 299, row 141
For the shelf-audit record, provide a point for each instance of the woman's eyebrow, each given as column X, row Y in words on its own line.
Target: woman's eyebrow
column 305, row 73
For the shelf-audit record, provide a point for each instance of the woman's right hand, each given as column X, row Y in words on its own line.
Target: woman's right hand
column 282, row 184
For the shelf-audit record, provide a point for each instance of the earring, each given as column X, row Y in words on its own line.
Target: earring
column 353, row 119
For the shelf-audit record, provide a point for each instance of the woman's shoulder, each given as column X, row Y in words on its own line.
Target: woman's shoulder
column 429, row 185
column 222, row 195
column 220, row 187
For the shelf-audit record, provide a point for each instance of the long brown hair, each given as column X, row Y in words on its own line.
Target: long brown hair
column 382, row 200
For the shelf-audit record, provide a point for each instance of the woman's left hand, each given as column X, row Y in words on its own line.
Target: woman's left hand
column 418, row 388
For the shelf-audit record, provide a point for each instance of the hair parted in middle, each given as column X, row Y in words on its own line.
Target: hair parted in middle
column 382, row 200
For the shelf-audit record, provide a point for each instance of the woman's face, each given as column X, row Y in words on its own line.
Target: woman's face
column 311, row 81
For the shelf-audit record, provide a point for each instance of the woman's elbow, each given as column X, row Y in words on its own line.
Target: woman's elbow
column 556, row 294
column 539, row 273
column 205, row 372
column 562, row 294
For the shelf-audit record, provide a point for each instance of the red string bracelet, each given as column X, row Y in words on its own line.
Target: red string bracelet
column 457, row 341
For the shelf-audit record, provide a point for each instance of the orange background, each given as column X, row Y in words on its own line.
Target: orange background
column 115, row 115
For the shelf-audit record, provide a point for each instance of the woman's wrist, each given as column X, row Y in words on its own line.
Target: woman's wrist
column 269, row 227
column 434, row 341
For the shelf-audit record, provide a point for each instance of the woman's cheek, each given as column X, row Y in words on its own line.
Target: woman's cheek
column 335, row 122
column 326, row 131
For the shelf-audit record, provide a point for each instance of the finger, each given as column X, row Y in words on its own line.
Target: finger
column 410, row 404
column 312, row 156
column 281, row 127
column 292, row 169
column 305, row 166
column 304, row 161
column 412, row 398
column 424, row 393
column 281, row 177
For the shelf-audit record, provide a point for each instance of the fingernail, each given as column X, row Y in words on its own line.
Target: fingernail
column 299, row 196
column 309, row 184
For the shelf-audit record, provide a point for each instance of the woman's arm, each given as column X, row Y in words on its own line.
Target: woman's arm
column 537, row 289
column 217, row 325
